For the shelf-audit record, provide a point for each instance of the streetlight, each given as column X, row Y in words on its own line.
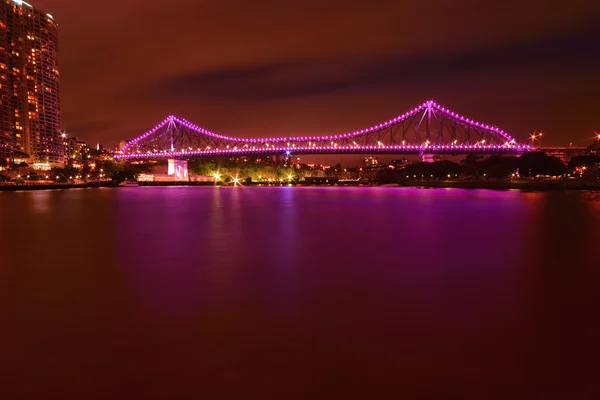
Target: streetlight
column 532, row 136
column 597, row 136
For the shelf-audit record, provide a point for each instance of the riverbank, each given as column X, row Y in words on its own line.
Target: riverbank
column 472, row 184
column 491, row 185
column 507, row 185
column 8, row 187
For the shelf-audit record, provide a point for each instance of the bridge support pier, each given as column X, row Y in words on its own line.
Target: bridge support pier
column 178, row 169
column 427, row 157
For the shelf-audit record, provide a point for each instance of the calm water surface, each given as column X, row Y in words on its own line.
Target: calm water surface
column 298, row 292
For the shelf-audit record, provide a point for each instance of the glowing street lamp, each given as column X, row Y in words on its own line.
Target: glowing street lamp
column 597, row 136
column 532, row 136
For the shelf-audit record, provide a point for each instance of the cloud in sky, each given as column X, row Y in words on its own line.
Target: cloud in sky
column 249, row 68
column 569, row 52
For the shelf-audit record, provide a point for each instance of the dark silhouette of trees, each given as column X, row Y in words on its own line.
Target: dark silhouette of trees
column 539, row 163
column 435, row 170
column 445, row 168
column 590, row 161
column 498, row 167
column 471, row 164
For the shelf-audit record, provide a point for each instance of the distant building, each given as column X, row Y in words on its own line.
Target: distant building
column 566, row 153
column 177, row 171
column 400, row 164
column 145, row 178
column 29, row 84
column 371, row 161
column 75, row 149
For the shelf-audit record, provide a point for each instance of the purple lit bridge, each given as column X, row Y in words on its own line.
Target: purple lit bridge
column 426, row 130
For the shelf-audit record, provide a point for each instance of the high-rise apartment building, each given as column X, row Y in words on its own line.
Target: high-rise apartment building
column 29, row 84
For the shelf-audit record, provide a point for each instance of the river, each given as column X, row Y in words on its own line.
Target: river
column 298, row 292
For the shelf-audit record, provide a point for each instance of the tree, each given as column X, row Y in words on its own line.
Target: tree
column 388, row 176
column 539, row 163
column 436, row 170
column 441, row 169
column 202, row 167
column 471, row 164
column 85, row 171
column 499, row 166
column 590, row 161
column 419, row 170
column 284, row 173
column 107, row 168
column 595, row 146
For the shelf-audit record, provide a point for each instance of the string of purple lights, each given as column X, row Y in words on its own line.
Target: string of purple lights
column 510, row 146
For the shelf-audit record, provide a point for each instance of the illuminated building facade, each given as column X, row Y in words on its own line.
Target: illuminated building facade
column 371, row 161
column 29, row 84
column 75, row 149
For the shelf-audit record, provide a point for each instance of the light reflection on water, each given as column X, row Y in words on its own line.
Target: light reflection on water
column 340, row 290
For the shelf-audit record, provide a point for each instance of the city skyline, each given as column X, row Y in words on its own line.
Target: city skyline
column 536, row 73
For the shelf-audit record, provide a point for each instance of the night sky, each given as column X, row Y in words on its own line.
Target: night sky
column 254, row 68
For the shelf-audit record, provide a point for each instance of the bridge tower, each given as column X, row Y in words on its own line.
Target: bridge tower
column 427, row 157
column 178, row 169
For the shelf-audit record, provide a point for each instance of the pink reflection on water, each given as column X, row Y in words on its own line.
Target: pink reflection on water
column 165, row 292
